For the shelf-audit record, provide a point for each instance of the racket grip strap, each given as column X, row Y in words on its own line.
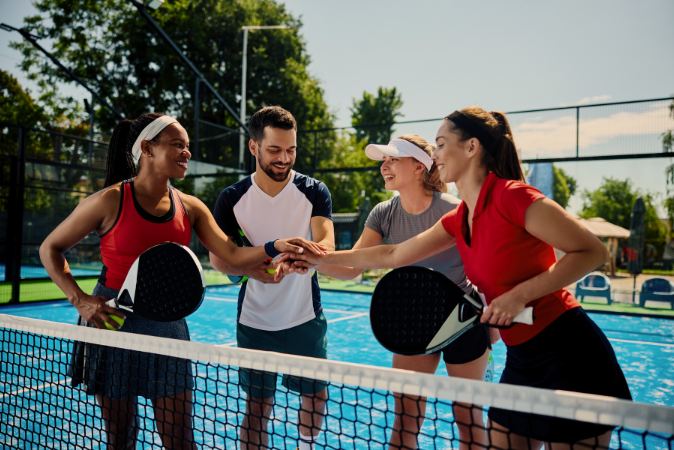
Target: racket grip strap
column 270, row 250
column 526, row 317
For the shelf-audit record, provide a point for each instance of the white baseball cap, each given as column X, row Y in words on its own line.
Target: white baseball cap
column 401, row 148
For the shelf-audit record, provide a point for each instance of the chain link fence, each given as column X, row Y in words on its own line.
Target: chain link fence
column 45, row 174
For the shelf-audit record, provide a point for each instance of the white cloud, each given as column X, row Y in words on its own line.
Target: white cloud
column 540, row 137
column 596, row 98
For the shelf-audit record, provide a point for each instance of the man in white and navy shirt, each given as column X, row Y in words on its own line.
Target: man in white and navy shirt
column 286, row 317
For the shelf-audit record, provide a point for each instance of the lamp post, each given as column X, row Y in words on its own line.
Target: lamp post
column 244, row 65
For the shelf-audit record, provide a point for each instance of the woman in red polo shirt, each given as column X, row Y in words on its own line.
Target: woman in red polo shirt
column 506, row 232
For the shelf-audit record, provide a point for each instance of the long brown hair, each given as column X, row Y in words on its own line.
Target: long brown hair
column 431, row 178
column 500, row 156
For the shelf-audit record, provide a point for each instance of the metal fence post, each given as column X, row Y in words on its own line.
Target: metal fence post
column 197, row 109
column 91, row 133
column 315, row 151
column 16, row 215
column 577, row 131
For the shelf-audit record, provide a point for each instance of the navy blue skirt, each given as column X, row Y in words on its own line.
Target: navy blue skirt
column 118, row 374
column 570, row 354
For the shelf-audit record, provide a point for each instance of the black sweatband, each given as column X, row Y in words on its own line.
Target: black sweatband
column 270, row 250
column 474, row 128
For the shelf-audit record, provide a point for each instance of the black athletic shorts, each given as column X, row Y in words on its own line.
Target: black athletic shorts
column 470, row 345
column 570, row 354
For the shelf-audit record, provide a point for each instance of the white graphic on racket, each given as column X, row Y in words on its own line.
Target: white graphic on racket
column 165, row 283
column 417, row 311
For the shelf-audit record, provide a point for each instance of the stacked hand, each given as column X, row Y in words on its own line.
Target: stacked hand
column 298, row 245
column 260, row 273
column 301, row 263
column 292, row 246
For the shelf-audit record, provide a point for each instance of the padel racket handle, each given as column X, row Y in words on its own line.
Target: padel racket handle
column 526, row 317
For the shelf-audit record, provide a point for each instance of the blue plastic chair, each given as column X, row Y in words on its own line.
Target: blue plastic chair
column 657, row 289
column 594, row 284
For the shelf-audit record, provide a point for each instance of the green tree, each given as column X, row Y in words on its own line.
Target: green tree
column 110, row 45
column 563, row 186
column 17, row 106
column 349, row 189
column 613, row 201
column 384, row 108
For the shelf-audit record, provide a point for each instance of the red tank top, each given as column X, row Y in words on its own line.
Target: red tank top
column 135, row 230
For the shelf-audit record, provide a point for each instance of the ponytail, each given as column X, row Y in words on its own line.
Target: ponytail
column 431, row 179
column 120, row 165
column 504, row 159
column 493, row 131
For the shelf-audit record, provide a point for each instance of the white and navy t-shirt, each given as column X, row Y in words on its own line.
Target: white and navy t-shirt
column 247, row 208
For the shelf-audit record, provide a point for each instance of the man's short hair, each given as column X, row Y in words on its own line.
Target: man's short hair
column 270, row 116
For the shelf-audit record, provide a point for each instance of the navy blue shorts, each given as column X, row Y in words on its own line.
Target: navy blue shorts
column 570, row 354
column 118, row 374
column 307, row 339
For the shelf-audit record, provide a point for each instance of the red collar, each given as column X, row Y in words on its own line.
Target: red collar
column 485, row 190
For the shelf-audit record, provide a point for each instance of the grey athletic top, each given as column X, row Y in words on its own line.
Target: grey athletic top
column 391, row 221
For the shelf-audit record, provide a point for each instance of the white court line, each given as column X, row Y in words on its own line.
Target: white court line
column 220, row 299
column 642, row 342
column 347, row 317
column 324, row 309
column 232, row 344
column 46, row 385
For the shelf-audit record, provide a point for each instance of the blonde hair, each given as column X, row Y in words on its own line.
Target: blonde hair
column 431, row 178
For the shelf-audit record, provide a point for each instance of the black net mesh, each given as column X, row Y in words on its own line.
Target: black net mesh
column 179, row 394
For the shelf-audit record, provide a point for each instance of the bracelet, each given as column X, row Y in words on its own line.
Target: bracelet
column 270, row 250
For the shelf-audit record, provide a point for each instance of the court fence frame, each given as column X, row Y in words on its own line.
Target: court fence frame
column 83, row 160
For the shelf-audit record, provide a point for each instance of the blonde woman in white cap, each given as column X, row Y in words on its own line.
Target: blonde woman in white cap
column 407, row 168
column 138, row 209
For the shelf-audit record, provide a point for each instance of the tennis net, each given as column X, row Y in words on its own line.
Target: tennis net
column 41, row 409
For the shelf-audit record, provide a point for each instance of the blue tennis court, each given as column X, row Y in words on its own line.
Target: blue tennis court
column 30, row 272
column 644, row 346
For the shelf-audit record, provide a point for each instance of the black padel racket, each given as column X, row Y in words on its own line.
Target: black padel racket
column 165, row 283
column 417, row 311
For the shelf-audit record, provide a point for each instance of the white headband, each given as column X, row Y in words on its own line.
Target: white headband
column 399, row 147
column 149, row 133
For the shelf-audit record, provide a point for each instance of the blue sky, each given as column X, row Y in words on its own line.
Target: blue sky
column 445, row 55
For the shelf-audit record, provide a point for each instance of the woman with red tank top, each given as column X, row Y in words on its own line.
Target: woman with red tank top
column 138, row 209
column 506, row 232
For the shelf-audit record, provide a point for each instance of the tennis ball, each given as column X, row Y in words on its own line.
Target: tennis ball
column 117, row 319
column 271, row 271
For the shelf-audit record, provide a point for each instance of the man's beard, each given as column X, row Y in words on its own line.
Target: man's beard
column 269, row 170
